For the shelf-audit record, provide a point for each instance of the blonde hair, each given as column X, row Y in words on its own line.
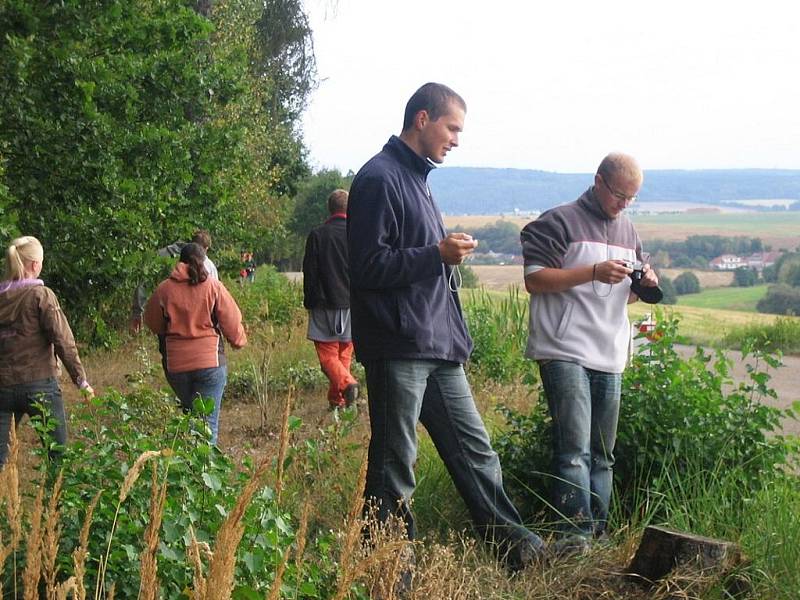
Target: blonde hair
column 25, row 249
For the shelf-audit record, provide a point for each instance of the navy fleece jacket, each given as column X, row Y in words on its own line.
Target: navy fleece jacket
column 400, row 301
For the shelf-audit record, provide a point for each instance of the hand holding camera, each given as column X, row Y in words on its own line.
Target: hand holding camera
column 646, row 287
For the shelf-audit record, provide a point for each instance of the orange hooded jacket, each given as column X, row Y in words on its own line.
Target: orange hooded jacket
column 191, row 320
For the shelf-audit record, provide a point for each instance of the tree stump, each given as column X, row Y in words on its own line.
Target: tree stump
column 662, row 549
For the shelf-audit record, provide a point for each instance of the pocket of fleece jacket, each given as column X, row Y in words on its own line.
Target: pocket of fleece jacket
column 566, row 317
column 382, row 311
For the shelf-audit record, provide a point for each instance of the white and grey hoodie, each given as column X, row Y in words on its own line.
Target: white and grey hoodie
column 587, row 324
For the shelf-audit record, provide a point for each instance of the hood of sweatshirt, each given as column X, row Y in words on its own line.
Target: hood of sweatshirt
column 180, row 273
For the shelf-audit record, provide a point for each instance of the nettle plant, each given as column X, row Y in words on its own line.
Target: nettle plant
column 679, row 417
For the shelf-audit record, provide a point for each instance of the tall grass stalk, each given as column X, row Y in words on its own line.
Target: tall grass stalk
column 9, row 491
column 127, row 485
column 80, row 553
column 221, row 570
column 352, row 535
column 33, row 550
column 148, row 583
column 52, row 535
column 283, row 446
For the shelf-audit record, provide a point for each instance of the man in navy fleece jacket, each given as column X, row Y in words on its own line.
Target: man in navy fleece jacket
column 410, row 334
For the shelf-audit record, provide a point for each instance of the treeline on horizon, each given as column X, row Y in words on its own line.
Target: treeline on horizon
column 469, row 190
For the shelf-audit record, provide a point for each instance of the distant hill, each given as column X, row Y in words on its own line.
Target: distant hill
column 472, row 190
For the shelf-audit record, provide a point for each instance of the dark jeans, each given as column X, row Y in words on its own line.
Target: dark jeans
column 202, row 383
column 436, row 393
column 18, row 400
column 584, row 406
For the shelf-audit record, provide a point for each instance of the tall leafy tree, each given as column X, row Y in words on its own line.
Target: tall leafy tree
column 128, row 123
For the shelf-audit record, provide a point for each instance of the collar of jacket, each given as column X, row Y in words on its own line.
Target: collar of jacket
column 335, row 216
column 590, row 202
column 15, row 284
column 407, row 157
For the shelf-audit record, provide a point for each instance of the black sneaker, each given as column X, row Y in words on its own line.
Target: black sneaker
column 350, row 394
column 571, row 545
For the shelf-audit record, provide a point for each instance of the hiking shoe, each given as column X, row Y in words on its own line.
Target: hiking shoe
column 525, row 553
column 350, row 394
column 571, row 545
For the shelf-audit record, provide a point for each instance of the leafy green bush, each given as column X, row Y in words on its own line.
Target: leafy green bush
column 202, row 486
column 469, row 279
column 271, row 298
column 781, row 299
column 745, row 277
column 783, row 335
column 686, row 283
column 676, row 420
column 499, row 330
column 666, row 285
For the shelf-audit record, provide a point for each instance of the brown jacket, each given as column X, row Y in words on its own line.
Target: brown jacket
column 191, row 320
column 33, row 332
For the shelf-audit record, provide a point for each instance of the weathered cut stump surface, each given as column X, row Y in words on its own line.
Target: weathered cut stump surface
column 662, row 549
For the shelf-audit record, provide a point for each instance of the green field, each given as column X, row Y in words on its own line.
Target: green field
column 726, row 298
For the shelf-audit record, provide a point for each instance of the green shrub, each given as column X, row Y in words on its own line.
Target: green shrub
column 781, row 299
column 676, row 420
column 666, row 285
column 271, row 298
column 745, row 277
column 686, row 283
column 202, row 486
column 783, row 335
column 499, row 330
column 469, row 279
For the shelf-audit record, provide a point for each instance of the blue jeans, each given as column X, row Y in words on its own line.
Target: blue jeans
column 18, row 400
column 436, row 393
column 584, row 406
column 202, row 383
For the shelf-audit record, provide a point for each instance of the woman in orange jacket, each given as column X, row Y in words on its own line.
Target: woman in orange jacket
column 191, row 313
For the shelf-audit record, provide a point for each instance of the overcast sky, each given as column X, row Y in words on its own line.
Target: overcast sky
column 555, row 85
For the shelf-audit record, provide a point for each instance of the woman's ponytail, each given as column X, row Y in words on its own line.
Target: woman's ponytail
column 23, row 249
column 195, row 257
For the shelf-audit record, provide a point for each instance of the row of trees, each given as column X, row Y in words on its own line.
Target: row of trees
column 698, row 250
column 783, row 298
column 126, row 124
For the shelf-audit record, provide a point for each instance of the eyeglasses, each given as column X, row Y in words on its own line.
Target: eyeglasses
column 618, row 195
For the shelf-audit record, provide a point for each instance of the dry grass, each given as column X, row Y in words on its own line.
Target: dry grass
column 707, row 279
column 220, row 572
column 458, row 568
column 469, row 223
column 33, row 549
column 52, row 535
column 80, row 554
column 148, row 585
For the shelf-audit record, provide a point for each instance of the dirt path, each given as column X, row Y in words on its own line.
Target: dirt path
column 785, row 381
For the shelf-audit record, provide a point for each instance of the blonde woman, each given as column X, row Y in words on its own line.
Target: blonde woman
column 34, row 334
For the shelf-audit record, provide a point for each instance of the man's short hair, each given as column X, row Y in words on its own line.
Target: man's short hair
column 435, row 99
column 620, row 164
column 202, row 237
column 337, row 201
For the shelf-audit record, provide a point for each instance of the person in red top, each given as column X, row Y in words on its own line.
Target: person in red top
column 190, row 313
column 326, row 295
